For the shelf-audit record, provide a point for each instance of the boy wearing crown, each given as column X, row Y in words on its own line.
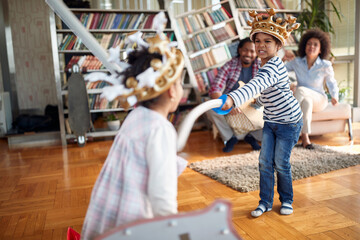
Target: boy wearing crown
column 282, row 113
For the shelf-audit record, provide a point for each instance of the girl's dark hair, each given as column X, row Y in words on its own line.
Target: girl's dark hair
column 324, row 38
column 242, row 43
column 140, row 61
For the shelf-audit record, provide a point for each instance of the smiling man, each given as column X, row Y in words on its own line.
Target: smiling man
column 241, row 68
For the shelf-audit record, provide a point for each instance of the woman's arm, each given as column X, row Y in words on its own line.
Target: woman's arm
column 331, row 84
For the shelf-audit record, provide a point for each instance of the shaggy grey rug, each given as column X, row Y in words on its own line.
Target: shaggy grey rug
column 241, row 172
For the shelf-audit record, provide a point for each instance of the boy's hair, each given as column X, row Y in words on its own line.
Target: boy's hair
column 140, row 61
column 323, row 37
column 242, row 43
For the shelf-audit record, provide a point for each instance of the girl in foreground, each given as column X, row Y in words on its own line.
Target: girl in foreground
column 139, row 177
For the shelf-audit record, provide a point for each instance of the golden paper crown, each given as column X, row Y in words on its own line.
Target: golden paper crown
column 169, row 70
column 280, row 28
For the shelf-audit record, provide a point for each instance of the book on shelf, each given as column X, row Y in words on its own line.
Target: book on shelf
column 221, row 54
column 67, row 126
column 226, row 13
column 116, row 21
column 194, row 20
column 132, row 20
column 187, row 25
column 200, row 21
column 149, row 21
column 139, row 20
column 105, row 40
column 126, row 22
column 208, row 19
column 181, row 26
column 205, row 79
column 200, row 83
column 210, row 38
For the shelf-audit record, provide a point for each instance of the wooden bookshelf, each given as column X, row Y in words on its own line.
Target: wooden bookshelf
column 68, row 50
column 205, row 34
column 199, row 49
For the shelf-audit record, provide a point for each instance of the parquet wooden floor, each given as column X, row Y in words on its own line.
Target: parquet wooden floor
column 45, row 190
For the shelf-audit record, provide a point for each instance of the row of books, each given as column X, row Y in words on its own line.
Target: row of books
column 96, row 102
column 205, row 79
column 262, row 4
column 244, row 17
column 86, row 62
column 210, row 58
column 116, row 20
column 196, row 22
column 106, row 40
column 72, row 42
column 203, row 86
column 206, row 39
column 96, row 85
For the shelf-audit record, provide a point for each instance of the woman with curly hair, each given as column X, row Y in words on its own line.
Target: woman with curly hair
column 312, row 70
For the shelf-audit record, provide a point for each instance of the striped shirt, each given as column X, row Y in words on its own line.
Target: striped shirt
column 272, row 82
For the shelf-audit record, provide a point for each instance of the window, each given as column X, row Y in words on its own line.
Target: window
column 343, row 46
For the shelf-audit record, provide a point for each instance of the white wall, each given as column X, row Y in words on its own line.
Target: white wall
column 35, row 83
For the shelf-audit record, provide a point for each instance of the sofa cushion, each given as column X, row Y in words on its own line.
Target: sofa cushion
column 323, row 127
column 340, row 111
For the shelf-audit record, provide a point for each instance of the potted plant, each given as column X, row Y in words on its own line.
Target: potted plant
column 343, row 91
column 315, row 15
column 113, row 121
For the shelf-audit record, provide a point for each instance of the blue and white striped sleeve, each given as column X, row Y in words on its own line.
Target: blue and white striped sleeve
column 265, row 78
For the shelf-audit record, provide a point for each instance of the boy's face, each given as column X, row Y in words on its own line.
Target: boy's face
column 266, row 46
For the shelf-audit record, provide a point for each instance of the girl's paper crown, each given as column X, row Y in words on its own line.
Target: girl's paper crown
column 154, row 80
column 159, row 76
column 280, row 28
